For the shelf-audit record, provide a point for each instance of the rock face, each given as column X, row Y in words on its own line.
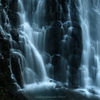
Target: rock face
column 56, row 10
column 53, row 36
column 8, row 87
column 76, row 46
column 64, row 37
column 16, row 68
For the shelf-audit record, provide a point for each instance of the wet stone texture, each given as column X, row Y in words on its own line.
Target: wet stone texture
column 8, row 88
column 64, row 37
column 63, row 49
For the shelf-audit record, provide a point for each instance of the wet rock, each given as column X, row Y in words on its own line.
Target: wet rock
column 93, row 91
column 56, row 24
column 4, row 47
column 53, row 36
column 19, row 96
column 74, row 11
column 74, row 63
column 16, row 68
column 65, row 85
column 4, row 72
column 8, row 87
column 5, row 54
column 73, row 78
column 56, row 10
column 46, row 58
column 60, row 66
column 11, row 8
column 13, row 5
column 74, row 59
column 1, row 9
column 50, row 70
column 64, row 49
column 13, row 18
column 4, row 2
column 15, row 35
column 14, row 45
column 66, row 25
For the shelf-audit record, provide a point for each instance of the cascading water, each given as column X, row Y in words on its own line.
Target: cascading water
column 34, row 70
column 58, row 72
column 90, row 65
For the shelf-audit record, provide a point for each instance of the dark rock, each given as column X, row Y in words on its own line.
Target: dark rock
column 66, row 25
column 5, row 54
column 74, row 11
column 14, row 45
column 93, row 91
column 4, row 66
column 5, row 75
column 4, row 47
column 74, row 60
column 53, row 37
column 73, row 78
column 13, row 5
column 55, row 10
column 4, row 2
column 19, row 96
column 64, row 48
column 7, row 87
column 16, row 68
column 1, row 10
column 15, row 34
column 1, row 35
column 13, row 17
column 56, row 24
column 60, row 66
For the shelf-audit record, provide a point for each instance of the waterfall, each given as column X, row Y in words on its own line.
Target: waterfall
column 90, row 64
column 55, row 45
column 31, row 35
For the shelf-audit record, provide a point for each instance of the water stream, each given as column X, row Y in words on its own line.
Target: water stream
column 32, row 36
column 35, row 69
column 90, row 70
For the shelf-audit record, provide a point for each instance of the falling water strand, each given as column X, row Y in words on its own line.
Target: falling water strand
column 35, row 69
column 90, row 23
